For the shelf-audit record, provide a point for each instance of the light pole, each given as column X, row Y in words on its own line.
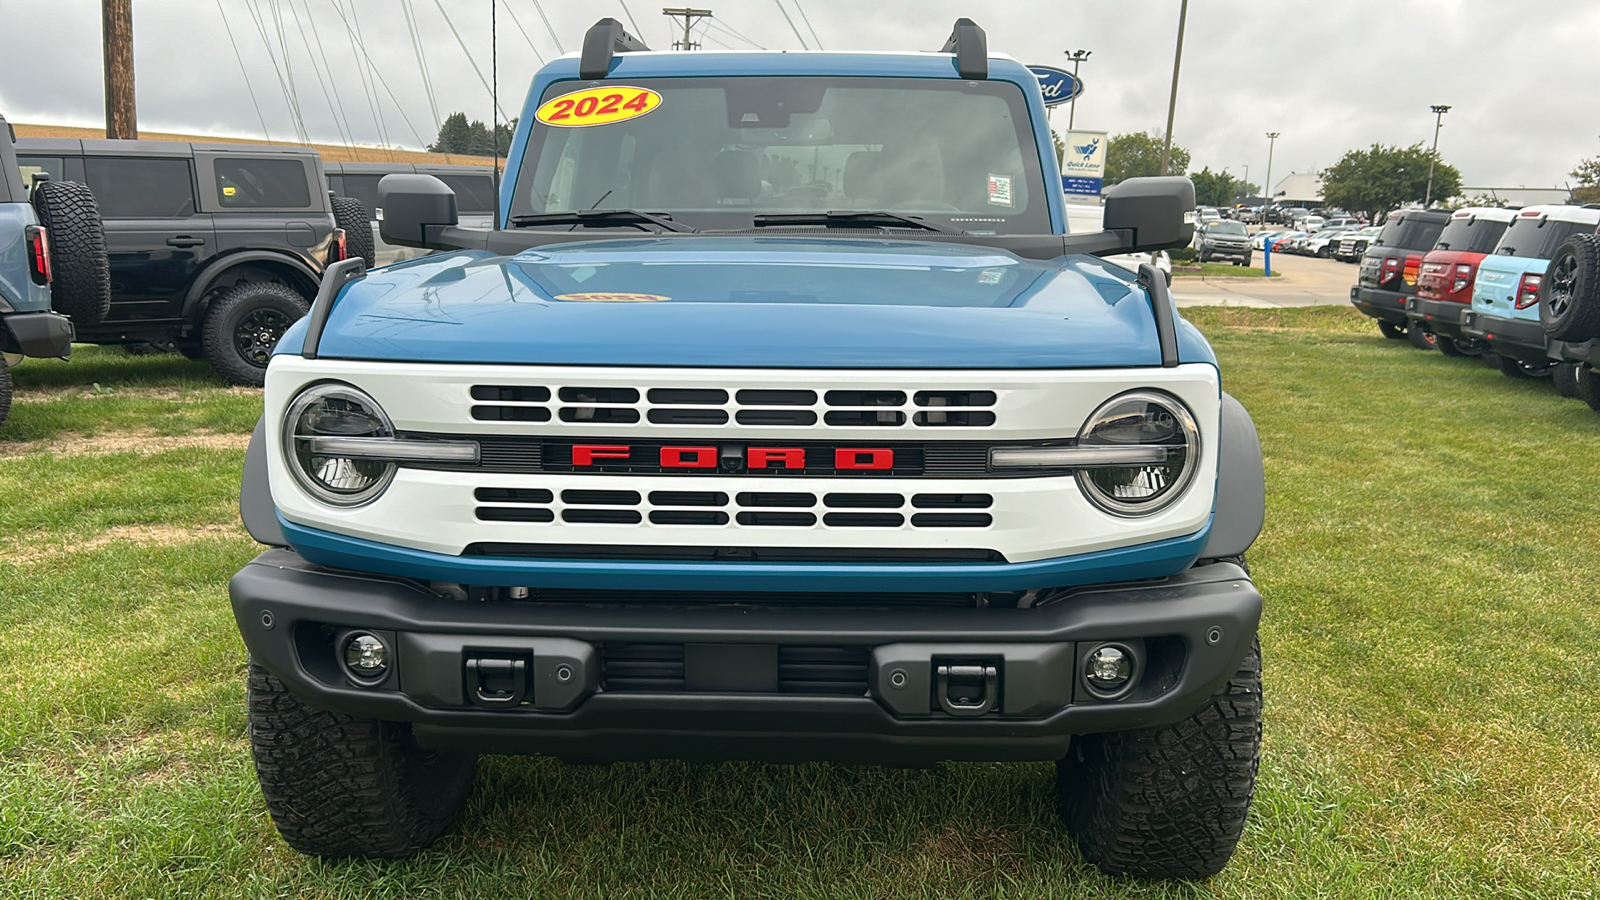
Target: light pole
column 1439, row 109
column 1172, row 101
column 1077, row 57
column 1266, row 189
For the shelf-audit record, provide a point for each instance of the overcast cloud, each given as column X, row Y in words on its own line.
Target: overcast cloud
column 1330, row 76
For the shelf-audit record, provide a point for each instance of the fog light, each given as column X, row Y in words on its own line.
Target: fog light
column 366, row 656
column 1108, row 669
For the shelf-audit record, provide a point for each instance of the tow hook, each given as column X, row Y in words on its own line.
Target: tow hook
column 967, row 690
column 497, row 683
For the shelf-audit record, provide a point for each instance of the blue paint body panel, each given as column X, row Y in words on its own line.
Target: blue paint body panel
column 1495, row 288
column 1153, row 560
column 17, row 289
column 744, row 301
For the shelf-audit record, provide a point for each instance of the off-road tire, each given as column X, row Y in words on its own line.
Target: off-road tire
column 339, row 785
column 351, row 215
column 1565, row 377
column 1588, row 388
column 81, row 286
column 1511, row 367
column 6, row 390
column 1168, row 802
column 1392, row 331
column 1420, row 339
column 240, row 326
column 1453, row 347
column 1569, row 295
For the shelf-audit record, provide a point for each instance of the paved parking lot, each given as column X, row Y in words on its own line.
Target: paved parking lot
column 1306, row 281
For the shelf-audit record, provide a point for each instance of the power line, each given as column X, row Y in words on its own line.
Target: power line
column 690, row 16
column 369, row 91
column 344, row 130
column 540, row 7
column 422, row 60
column 375, row 73
column 288, row 71
column 468, row 53
column 518, row 22
column 629, row 13
column 266, row 42
column 791, row 24
column 735, row 34
column 807, row 19
column 355, row 17
column 244, row 72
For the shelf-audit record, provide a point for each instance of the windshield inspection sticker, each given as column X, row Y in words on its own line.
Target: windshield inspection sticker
column 612, row 298
column 1000, row 190
column 991, row 276
column 598, row 106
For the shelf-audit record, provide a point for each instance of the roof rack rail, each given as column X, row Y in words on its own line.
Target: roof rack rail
column 971, row 47
column 604, row 39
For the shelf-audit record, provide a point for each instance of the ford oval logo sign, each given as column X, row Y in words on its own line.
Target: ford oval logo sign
column 1057, row 85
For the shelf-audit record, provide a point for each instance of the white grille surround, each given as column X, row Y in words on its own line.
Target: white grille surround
column 1032, row 518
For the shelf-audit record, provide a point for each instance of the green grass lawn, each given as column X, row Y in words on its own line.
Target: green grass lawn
column 1220, row 270
column 1431, row 636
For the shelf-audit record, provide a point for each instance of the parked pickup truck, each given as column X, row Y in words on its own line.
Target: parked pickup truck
column 779, row 418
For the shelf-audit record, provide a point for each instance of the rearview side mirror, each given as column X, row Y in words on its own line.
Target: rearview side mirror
column 414, row 209
column 1156, row 213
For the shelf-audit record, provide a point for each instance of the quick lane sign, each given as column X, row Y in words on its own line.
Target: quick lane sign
column 1083, row 165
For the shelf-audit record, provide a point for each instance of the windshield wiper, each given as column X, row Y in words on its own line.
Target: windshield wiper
column 852, row 219
column 602, row 218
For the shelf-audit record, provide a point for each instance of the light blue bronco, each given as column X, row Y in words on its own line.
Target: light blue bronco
column 779, row 418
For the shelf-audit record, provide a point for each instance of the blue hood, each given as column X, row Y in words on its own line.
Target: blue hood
column 763, row 302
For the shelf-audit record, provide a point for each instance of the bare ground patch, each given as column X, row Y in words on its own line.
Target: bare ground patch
column 142, row 535
column 141, row 442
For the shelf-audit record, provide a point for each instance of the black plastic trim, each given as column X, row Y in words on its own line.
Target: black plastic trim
column 1155, row 283
column 42, row 335
column 338, row 275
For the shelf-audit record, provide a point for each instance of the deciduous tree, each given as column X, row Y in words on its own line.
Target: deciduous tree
column 1380, row 179
column 1137, row 154
column 1588, row 175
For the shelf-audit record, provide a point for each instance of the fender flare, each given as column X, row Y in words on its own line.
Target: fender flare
column 256, row 509
column 1241, row 504
column 203, row 282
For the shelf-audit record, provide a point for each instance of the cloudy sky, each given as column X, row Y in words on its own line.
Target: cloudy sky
column 1329, row 75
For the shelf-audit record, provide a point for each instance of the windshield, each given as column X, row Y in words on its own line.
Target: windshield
column 1470, row 234
column 1536, row 237
column 714, row 153
column 1226, row 228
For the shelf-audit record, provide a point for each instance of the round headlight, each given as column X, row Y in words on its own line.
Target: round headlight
column 1140, row 419
column 336, row 410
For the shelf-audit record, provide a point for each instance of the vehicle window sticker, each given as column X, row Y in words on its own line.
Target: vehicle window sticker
column 598, row 106
column 1000, row 190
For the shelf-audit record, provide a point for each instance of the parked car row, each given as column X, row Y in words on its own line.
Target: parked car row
column 1519, row 288
column 214, row 250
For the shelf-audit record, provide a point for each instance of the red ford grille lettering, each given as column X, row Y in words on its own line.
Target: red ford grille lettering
column 586, row 454
column 688, row 457
column 855, row 459
column 776, row 458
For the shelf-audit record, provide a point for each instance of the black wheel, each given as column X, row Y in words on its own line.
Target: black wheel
column 351, row 215
column 1511, row 367
column 244, row 324
column 1458, row 348
column 1565, row 377
column 1324, row 253
column 5, row 390
column 1420, row 339
column 1569, row 296
column 339, row 785
column 1168, row 802
column 81, row 286
column 1392, row 331
column 1588, row 387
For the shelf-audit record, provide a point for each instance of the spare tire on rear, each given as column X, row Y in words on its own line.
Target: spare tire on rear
column 351, row 215
column 1569, row 296
column 81, row 286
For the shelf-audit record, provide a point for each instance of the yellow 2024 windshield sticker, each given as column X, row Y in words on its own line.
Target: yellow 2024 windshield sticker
column 598, row 106
column 613, row 298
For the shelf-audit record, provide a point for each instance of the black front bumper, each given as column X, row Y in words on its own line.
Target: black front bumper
column 1385, row 305
column 1441, row 317
column 1513, row 338
column 42, row 335
column 1216, row 252
column 1188, row 632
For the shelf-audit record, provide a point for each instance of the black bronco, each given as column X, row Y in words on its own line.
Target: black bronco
column 215, row 249
column 1390, row 267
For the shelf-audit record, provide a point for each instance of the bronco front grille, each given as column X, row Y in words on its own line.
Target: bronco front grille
column 791, row 407
column 797, row 509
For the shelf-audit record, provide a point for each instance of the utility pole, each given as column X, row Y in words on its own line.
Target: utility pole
column 690, row 16
column 1439, row 109
column 1266, row 189
column 1172, row 102
column 1077, row 56
column 117, row 24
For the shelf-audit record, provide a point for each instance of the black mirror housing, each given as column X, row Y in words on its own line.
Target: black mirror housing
column 1156, row 213
column 412, row 209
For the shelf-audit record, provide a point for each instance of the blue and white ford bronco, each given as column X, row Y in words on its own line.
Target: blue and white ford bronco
column 779, row 418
